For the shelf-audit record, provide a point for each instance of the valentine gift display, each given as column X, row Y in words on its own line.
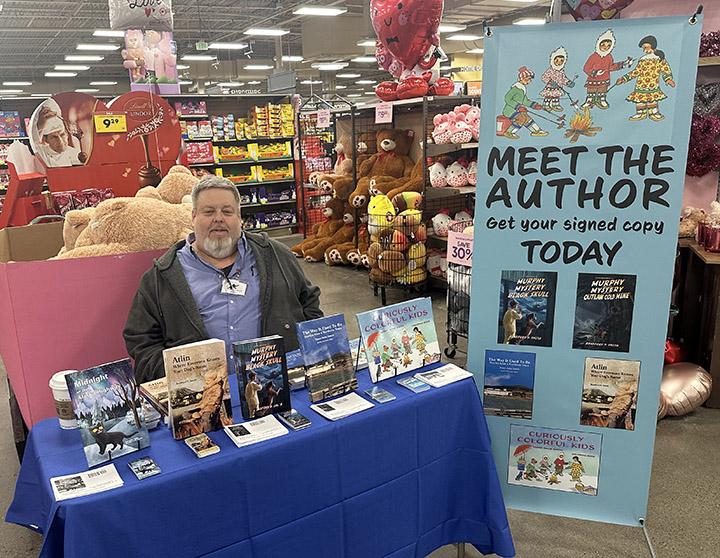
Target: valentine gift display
column 151, row 59
column 459, row 276
column 156, row 15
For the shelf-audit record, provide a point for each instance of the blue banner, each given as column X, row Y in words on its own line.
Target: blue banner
column 583, row 144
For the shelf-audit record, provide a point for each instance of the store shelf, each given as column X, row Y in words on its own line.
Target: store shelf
column 192, row 116
column 433, row 193
column 236, row 140
column 291, row 225
column 14, row 138
column 436, row 237
column 262, row 182
column 434, row 149
column 284, row 202
column 244, row 162
column 709, row 61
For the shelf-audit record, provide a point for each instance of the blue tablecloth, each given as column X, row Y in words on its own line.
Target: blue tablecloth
column 401, row 479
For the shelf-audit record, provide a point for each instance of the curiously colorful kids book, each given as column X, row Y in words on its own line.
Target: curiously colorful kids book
column 610, row 392
column 198, row 387
column 106, row 402
column 262, row 376
column 527, row 307
column 604, row 312
column 329, row 368
column 399, row 338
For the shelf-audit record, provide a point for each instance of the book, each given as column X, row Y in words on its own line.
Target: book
column 527, row 307
column 509, row 384
column 609, row 396
column 155, row 392
column 144, row 467
column 295, row 369
column 325, row 348
column 202, row 445
column 564, row 460
column 361, row 361
column 413, row 384
column 379, row 394
column 198, row 388
column 294, row 420
column 106, row 402
column 399, row 338
column 342, row 407
column 254, row 431
column 447, row 374
column 262, row 376
column 87, row 482
column 603, row 312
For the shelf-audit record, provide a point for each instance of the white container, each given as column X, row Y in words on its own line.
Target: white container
column 63, row 404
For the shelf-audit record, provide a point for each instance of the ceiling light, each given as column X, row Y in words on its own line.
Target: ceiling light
column 452, row 28
column 266, row 32
column 444, row 68
column 98, row 46
column 103, row 83
column 319, row 11
column 341, row 87
column 230, row 46
column 354, row 95
column 71, row 67
column 60, row 74
column 108, row 33
column 366, row 81
column 529, row 21
column 350, row 75
column 309, row 81
column 184, row 82
column 461, row 37
column 366, row 43
column 254, row 82
column 6, row 91
column 182, row 66
column 330, row 66
column 86, row 90
column 258, row 67
column 369, row 93
column 198, row 57
column 475, row 51
column 231, row 83
column 41, row 94
column 84, row 58
column 364, row 59
column 16, row 83
column 292, row 58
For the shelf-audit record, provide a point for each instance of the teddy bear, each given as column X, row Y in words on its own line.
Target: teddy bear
column 76, row 221
column 176, row 184
column 358, row 256
column 123, row 225
column 346, row 233
column 333, row 213
column 394, row 186
column 338, row 253
column 344, row 163
column 691, row 216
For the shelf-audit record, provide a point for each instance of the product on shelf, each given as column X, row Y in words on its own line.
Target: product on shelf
column 275, row 172
column 232, row 153
column 200, row 152
column 10, row 124
column 190, row 108
column 240, row 175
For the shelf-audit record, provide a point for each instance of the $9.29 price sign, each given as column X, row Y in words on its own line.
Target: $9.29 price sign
column 110, row 123
column 460, row 246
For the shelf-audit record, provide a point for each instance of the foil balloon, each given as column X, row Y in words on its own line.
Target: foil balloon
column 662, row 407
column 685, row 386
column 675, row 352
column 583, row 10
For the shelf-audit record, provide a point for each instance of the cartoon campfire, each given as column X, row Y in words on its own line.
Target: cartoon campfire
column 581, row 125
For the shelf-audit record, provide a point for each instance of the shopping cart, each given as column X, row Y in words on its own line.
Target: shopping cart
column 459, row 274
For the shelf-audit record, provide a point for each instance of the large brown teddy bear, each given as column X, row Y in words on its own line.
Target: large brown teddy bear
column 344, row 234
column 366, row 147
column 177, row 184
column 392, row 187
column 76, row 221
column 333, row 212
column 123, row 225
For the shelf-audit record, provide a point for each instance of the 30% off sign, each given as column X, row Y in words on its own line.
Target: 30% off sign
column 460, row 248
column 110, row 123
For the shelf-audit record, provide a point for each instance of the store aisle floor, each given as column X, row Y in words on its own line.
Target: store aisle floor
column 684, row 503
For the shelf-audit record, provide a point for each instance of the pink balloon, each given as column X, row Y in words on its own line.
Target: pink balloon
column 685, row 386
column 596, row 9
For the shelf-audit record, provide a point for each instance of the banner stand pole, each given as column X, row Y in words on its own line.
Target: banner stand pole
column 641, row 521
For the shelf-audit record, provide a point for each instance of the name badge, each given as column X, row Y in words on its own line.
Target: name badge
column 234, row 287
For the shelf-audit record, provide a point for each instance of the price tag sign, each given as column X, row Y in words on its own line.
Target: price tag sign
column 110, row 123
column 323, row 118
column 383, row 113
column 460, row 246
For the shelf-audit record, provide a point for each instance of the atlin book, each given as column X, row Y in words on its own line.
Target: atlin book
column 199, row 391
column 609, row 395
column 262, row 376
column 399, row 338
column 527, row 307
column 329, row 368
column 604, row 312
column 106, row 402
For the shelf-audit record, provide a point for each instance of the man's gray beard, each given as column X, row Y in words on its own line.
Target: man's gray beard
column 220, row 249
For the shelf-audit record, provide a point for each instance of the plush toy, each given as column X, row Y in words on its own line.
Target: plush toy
column 437, row 263
column 438, row 175
column 123, row 225
column 691, row 216
column 407, row 200
column 177, row 184
column 441, row 131
column 76, row 221
column 409, row 223
column 472, row 172
column 441, row 222
column 392, row 159
column 338, row 253
column 133, row 55
column 344, row 163
column 333, row 213
column 394, row 186
column 463, row 216
column 366, row 147
column 459, row 129
column 472, row 117
column 359, row 256
column 381, row 213
column 346, row 233
column 457, row 174
column 326, row 182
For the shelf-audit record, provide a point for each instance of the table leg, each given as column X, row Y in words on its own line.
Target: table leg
column 461, row 550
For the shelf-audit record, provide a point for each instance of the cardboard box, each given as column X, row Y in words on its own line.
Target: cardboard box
column 59, row 314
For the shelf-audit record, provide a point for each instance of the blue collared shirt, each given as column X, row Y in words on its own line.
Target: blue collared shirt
column 229, row 317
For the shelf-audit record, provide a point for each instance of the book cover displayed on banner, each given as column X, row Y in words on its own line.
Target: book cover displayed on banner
column 329, row 368
column 262, row 376
column 106, row 402
column 527, row 307
column 609, row 395
column 509, row 381
column 399, row 338
column 604, row 312
column 554, row 459
column 582, row 154
column 198, row 388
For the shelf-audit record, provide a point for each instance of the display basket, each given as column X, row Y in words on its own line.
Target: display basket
column 459, row 276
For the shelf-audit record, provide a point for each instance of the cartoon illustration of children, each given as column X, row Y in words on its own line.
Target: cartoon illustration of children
column 395, row 348
column 560, row 464
column 647, row 92
column 598, row 68
column 385, row 357
column 544, row 466
column 555, row 80
column 405, row 340
column 516, row 107
column 576, row 469
column 531, row 470
column 520, row 467
column 420, row 340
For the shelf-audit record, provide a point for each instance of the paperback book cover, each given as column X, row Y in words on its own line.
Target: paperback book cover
column 564, row 460
column 156, row 393
column 262, row 376
column 294, row 420
column 509, row 383
column 198, row 387
column 202, row 445
column 604, row 312
column 609, row 394
column 399, row 338
column 254, row 431
column 87, row 482
column 106, row 402
column 329, row 367
column 144, row 467
column 527, row 307
column 296, row 369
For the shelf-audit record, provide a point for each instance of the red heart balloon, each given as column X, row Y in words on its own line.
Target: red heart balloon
column 387, row 91
column 405, row 27
column 410, row 88
column 442, row 86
